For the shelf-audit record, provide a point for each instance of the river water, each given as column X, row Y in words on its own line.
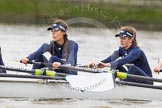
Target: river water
column 94, row 45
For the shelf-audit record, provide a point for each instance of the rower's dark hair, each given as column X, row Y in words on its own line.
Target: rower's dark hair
column 133, row 31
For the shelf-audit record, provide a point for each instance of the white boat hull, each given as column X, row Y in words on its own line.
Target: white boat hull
column 23, row 88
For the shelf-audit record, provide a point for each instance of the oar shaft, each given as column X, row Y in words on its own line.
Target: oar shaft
column 91, row 70
column 16, row 69
column 32, row 76
column 138, row 84
column 36, row 71
column 123, row 75
column 144, row 78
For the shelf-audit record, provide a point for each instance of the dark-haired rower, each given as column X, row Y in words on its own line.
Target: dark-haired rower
column 62, row 50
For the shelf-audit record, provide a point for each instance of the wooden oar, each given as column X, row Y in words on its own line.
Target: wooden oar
column 121, row 75
column 35, row 72
column 32, row 76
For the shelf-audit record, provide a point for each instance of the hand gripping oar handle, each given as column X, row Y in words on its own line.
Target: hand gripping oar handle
column 91, row 70
column 45, row 71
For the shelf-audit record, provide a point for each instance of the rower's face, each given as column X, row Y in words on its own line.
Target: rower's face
column 57, row 35
column 125, row 42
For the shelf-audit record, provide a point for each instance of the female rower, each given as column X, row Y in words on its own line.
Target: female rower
column 129, row 57
column 62, row 50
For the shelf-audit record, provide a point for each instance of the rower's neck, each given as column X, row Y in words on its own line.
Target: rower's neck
column 60, row 42
column 126, row 48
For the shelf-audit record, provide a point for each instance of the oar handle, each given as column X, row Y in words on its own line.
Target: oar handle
column 76, row 68
column 39, row 63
